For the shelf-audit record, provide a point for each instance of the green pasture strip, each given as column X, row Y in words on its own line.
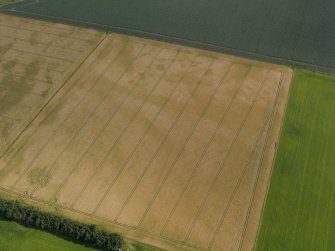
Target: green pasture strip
column 92, row 235
column 296, row 32
column 300, row 208
column 14, row 237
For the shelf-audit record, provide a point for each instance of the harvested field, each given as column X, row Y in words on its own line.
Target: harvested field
column 36, row 58
column 169, row 145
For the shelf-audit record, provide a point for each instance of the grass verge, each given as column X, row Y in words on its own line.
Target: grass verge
column 300, row 210
column 75, row 231
column 14, row 237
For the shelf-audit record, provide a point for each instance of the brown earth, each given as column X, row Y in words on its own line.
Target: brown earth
column 169, row 145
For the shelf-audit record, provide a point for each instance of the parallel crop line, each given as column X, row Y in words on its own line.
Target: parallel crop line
column 129, row 122
column 224, row 161
column 43, row 65
column 144, row 171
column 145, row 132
column 261, row 161
column 270, row 175
column 36, row 129
column 267, row 128
column 83, row 155
column 57, row 35
column 14, row 38
column 80, row 78
column 86, row 120
column 97, row 217
column 178, row 84
column 183, row 148
column 115, row 112
column 220, row 123
column 235, row 188
column 169, row 131
column 25, row 78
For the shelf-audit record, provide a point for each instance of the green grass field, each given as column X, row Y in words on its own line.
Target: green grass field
column 14, row 237
column 300, row 208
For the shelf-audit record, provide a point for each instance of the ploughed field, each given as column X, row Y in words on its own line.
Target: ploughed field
column 296, row 32
column 36, row 58
column 164, row 143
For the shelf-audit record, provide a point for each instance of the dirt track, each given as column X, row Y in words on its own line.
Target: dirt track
column 164, row 143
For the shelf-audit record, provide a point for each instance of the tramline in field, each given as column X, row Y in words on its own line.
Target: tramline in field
column 161, row 142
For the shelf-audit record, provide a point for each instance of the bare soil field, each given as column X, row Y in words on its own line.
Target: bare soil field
column 36, row 58
column 169, row 145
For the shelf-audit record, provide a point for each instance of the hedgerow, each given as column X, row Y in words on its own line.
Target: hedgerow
column 33, row 217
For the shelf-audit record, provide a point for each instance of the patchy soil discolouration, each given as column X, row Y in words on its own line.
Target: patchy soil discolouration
column 32, row 69
column 165, row 143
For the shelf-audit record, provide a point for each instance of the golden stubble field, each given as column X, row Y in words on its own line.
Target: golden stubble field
column 36, row 58
column 166, row 144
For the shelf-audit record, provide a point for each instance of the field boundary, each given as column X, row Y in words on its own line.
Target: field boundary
column 138, row 230
column 273, row 162
column 267, row 128
column 168, row 242
column 261, row 164
column 11, row 10
column 65, row 80
column 161, row 238
column 30, row 216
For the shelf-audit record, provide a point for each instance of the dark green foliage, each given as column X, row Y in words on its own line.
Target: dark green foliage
column 70, row 229
column 16, row 237
column 286, row 31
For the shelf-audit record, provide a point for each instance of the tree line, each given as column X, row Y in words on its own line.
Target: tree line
column 33, row 217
